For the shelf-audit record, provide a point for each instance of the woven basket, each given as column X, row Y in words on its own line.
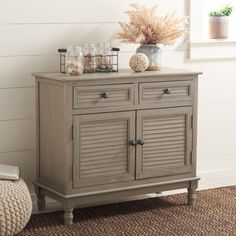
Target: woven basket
column 15, row 206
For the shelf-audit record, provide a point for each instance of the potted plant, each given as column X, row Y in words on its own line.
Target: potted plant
column 150, row 30
column 219, row 22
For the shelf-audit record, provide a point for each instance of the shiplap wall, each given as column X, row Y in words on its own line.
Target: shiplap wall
column 31, row 31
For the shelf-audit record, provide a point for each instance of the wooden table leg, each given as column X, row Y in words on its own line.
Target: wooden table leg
column 68, row 216
column 41, row 202
column 192, row 193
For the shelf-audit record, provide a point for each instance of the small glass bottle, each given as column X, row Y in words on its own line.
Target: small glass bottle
column 90, row 53
column 99, row 56
column 74, row 61
column 104, row 60
column 107, row 57
column 85, row 49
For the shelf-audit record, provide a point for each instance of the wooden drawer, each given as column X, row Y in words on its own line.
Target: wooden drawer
column 103, row 96
column 164, row 93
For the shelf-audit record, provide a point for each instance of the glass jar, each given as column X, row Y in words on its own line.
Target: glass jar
column 74, row 61
column 104, row 58
column 90, row 53
column 153, row 52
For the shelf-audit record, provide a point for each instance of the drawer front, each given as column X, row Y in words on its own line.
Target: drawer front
column 103, row 96
column 161, row 93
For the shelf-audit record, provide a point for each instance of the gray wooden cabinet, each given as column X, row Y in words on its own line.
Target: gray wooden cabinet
column 103, row 136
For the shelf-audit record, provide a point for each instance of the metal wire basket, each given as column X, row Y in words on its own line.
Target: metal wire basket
column 100, row 67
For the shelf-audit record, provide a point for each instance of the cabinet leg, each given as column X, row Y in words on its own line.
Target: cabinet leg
column 191, row 196
column 41, row 202
column 68, row 216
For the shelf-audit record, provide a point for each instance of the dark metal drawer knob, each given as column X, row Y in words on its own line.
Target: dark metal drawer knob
column 132, row 143
column 141, row 142
column 105, row 95
column 167, row 91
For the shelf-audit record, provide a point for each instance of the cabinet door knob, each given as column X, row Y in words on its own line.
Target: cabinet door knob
column 167, row 91
column 132, row 143
column 141, row 142
column 105, row 95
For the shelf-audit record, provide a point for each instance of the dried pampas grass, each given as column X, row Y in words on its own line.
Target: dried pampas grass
column 145, row 27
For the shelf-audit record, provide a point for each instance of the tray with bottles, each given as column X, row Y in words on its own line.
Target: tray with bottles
column 92, row 61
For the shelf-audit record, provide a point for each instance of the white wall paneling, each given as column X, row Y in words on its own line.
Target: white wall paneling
column 24, row 159
column 218, row 89
column 71, row 11
column 216, row 143
column 17, row 135
column 45, row 39
column 15, row 72
column 40, row 39
column 17, row 103
column 216, row 163
column 217, row 178
column 218, row 116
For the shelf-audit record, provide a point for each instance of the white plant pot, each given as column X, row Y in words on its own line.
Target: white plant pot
column 218, row 27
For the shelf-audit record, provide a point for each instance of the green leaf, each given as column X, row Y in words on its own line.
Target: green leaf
column 225, row 10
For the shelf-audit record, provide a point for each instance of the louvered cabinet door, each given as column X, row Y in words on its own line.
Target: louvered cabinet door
column 167, row 142
column 102, row 153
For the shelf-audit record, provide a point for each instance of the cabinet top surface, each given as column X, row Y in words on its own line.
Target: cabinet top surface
column 123, row 73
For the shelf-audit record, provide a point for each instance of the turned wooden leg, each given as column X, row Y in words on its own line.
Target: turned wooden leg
column 191, row 196
column 68, row 216
column 40, row 199
column 41, row 202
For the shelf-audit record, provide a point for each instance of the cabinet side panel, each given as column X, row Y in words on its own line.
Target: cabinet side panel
column 195, row 126
column 52, row 135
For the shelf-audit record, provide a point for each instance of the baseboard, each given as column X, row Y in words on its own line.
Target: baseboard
column 217, row 178
column 217, row 174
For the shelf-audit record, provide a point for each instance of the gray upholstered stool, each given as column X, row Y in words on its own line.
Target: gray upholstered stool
column 15, row 201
